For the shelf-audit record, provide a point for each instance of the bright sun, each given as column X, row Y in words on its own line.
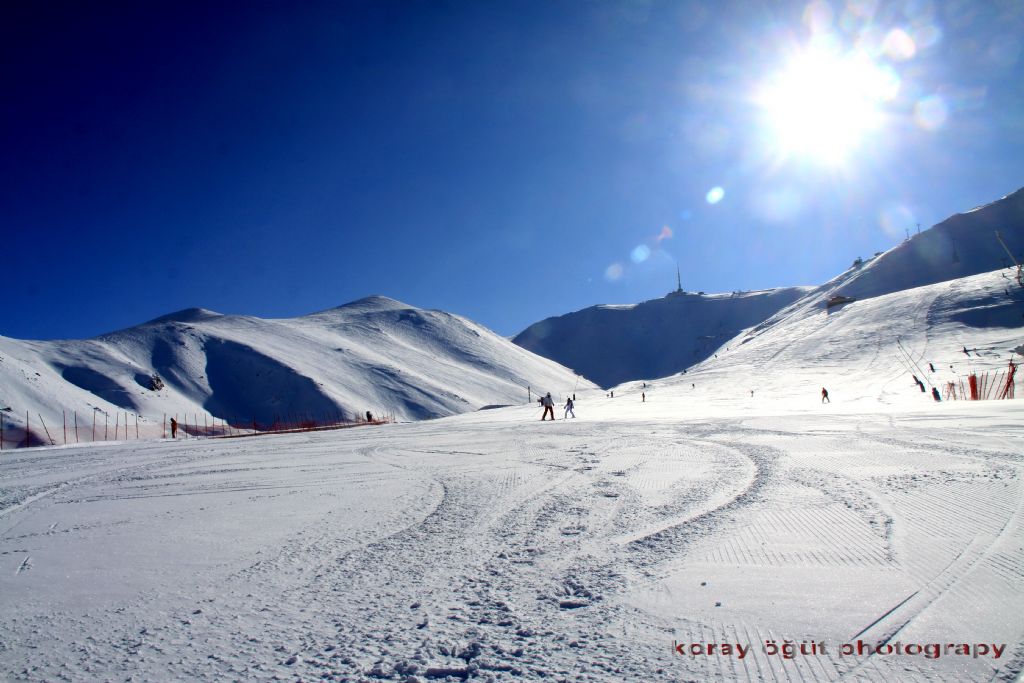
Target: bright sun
column 822, row 105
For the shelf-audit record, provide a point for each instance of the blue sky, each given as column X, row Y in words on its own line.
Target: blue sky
column 504, row 161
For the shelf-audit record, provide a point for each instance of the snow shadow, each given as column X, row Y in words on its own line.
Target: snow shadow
column 101, row 385
column 247, row 384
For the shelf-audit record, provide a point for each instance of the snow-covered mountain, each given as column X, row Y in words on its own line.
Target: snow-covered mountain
column 661, row 337
column 961, row 245
column 866, row 352
column 373, row 354
column 611, row 344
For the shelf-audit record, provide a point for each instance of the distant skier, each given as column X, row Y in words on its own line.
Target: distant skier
column 824, row 395
column 966, row 352
column 568, row 409
column 369, row 416
column 549, row 407
column 643, row 397
column 613, row 394
column 935, row 394
column 751, row 393
column 174, row 428
column 932, row 367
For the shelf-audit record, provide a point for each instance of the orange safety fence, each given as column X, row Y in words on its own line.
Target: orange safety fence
column 31, row 430
column 985, row 386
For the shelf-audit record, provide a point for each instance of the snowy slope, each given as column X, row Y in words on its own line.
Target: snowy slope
column 374, row 354
column 613, row 344
column 490, row 547
column 962, row 245
column 865, row 353
column 657, row 338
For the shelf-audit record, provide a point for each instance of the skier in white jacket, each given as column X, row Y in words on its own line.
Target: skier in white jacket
column 549, row 407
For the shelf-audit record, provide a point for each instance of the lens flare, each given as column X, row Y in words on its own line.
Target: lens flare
column 640, row 253
column 896, row 220
column 613, row 272
column 715, row 195
column 899, row 45
column 930, row 113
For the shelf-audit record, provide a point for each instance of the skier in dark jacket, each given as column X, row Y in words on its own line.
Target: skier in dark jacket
column 174, row 428
column 824, row 395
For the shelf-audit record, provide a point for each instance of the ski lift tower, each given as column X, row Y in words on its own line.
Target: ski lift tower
column 1020, row 269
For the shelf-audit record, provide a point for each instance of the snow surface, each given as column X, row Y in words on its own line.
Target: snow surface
column 491, row 546
column 373, row 354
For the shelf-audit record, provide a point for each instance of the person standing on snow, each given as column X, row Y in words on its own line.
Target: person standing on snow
column 824, row 395
column 568, row 409
column 549, row 407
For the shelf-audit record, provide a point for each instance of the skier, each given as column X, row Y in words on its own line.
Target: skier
column 935, row 394
column 369, row 416
column 932, row 367
column 643, row 397
column 549, row 407
column 174, row 428
column 824, row 395
column 568, row 409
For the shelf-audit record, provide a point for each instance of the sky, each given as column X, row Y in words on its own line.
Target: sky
column 506, row 161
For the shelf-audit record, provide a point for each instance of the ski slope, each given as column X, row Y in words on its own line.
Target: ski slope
column 490, row 546
column 612, row 344
column 373, row 354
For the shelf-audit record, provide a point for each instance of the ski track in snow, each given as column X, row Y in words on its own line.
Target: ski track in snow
column 504, row 551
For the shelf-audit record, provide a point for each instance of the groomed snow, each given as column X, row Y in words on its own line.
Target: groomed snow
column 492, row 546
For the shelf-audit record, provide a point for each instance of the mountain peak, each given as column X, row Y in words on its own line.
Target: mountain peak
column 186, row 315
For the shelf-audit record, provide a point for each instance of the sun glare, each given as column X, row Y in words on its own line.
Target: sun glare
column 822, row 105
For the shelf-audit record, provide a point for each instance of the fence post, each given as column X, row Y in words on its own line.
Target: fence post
column 136, row 426
column 64, row 414
column 93, row 426
column 1, row 430
column 45, row 430
column 28, row 431
column 76, row 426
